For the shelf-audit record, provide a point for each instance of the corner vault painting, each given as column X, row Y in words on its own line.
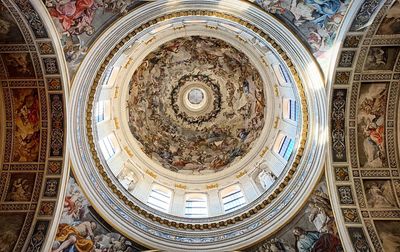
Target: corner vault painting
column 316, row 21
column 82, row 229
column 312, row 230
column 371, row 124
column 80, row 22
column 26, row 115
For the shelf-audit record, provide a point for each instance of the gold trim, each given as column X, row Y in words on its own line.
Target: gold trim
column 180, row 186
column 150, row 173
column 116, row 122
column 128, row 151
column 262, row 153
column 276, row 122
column 241, row 174
column 212, row 186
column 233, row 220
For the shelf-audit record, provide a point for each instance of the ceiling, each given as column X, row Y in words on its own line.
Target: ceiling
column 47, row 50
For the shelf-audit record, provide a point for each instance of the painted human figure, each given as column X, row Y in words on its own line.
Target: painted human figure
column 313, row 241
column 76, row 236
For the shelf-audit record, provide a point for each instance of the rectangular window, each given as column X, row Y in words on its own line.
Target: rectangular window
column 100, row 110
column 196, row 206
column 286, row 148
column 107, row 147
column 233, row 199
column 292, row 110
column 159, row 198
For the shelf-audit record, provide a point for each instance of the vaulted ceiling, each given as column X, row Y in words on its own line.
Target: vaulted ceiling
column 356, row 202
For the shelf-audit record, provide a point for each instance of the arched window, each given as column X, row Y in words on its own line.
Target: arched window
column 196, row 205
column 232, row 198
column 281, row 74
column 109, row 146
column 284, row 146
column 290, row 110
column 160, row 198
column 102, row 110
column 110, row 77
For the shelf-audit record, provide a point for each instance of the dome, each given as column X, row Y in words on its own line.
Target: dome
column 196, row 104
column 197, row 119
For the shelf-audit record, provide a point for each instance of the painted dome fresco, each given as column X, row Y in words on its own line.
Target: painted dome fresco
column 196, row 104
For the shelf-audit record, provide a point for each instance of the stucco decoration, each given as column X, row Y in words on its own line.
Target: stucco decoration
column 196, row 103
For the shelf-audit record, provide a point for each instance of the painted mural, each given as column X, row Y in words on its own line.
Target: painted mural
column 391, row 23
column 79, row 22
column 316, row 21
column 312, row 230
column 389, row 234
column 21, row 186
column 381, row 58
column 208, row 139
column 368, row 196
column 9, row 31
column 380, row 194
column 10, row 228
column 26, row 115
column 19, row 65
column 82, row 229
column 371, row 124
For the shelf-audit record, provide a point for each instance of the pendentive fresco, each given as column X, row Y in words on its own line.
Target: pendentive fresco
column 82, row 229
column 313, row 228
column 80, row 22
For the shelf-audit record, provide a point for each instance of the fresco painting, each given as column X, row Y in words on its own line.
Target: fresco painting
column 9, row 31
column 10, row 228
column 316, row 21
column 371, row 125
column 82, row 229
column 389, row 233
column 381, row 58
column 19, row 65
column 313, row 229
column 380, row 193
column 21, row 187
column 207, row 141
column 391, row 23
column 80, row 21
column 25, row 102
